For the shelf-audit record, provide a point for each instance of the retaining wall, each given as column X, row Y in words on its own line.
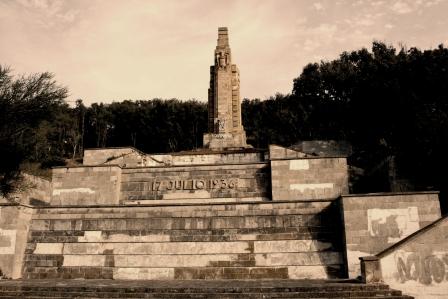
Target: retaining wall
column 14, row 225
column 86, row 185
column 373, row 222
column 419, row 265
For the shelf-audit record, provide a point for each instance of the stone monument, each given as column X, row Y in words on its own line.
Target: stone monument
column 225, row 128
column 229, row 213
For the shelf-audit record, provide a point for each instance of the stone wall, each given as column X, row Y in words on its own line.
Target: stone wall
column 86, row 185
column 130, row 157
column 275, row 240
column 195, row 183
column 327, row 148
column 373, row 222
column 309, row 178
column 279, row 152
column 120, row 155
column 32, row 190
column 419, row 265
column 37, row 192
column 14, row 225
column 218, row 158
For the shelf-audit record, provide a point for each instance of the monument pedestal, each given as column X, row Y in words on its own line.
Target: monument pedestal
column 225, row 141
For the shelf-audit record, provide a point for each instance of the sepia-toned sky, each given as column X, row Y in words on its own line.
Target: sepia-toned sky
column 111, row 50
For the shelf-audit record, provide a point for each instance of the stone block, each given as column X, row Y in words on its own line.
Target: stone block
column 308, row 179
column 291, row 246
column 84, row 260
column 298, row 259
column 48, row 248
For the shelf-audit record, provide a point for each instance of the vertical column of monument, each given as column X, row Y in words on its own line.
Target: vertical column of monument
column 225, row 128
column 223, row 83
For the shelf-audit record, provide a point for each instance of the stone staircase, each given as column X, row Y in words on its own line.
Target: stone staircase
column 258, row 240
column 196, row 289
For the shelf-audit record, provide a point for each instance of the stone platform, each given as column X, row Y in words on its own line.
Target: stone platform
column 195, row 289
column 276, row 215
column 272, row 240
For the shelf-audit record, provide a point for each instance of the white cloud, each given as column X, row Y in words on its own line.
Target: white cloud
column 401, row 7
column 368, row 21
column 47, row 13
column 377, row 3
column 301, row 21
column 318, row 6
column 317, row 37
column 429, row 3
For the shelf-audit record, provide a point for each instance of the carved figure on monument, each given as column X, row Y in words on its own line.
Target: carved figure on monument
column 224, row 105
column 222, row 59
column 221, row 124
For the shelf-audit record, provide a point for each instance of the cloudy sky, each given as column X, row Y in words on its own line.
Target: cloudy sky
column 111, row 50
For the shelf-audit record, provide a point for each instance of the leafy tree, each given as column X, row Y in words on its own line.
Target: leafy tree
column 153, row 126
column 392, row 105
column 25, row 102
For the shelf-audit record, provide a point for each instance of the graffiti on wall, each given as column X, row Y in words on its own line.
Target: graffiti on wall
column 393, row 224
column 423, row 268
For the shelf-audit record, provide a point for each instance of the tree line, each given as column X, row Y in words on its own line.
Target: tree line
column 390, row 104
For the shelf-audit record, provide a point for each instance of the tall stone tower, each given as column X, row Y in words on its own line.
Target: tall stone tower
column 225, row 129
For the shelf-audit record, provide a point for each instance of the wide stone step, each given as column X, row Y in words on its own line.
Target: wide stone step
column 148, row 236
column 192, row 231
column 195, row 289
column 202, row 296
column 317, row 295
column 149, row 213
column 183, row 210
column 220, row 270
column 173, row 248
column 230, row 222
column 200, row 260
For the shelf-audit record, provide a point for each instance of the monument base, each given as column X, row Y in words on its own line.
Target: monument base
column 213, row 241
column 226, row 141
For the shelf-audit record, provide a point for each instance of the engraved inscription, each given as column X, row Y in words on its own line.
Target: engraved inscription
column 218, row 136
column 196, row 184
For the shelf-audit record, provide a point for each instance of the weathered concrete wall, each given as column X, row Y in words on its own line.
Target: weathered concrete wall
column 134, row 159
column 38, row 191
column 195, row 183
column 208, row 241
column 280, row 152
column 373, row 222
column 14, row 225
column 33, row 190
column 309, row 178
column 419, row 266
column 217, row 158
column 123, row 156
column 324, row 148
column 203, row 157
column 130, row 157
column 86, row 185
